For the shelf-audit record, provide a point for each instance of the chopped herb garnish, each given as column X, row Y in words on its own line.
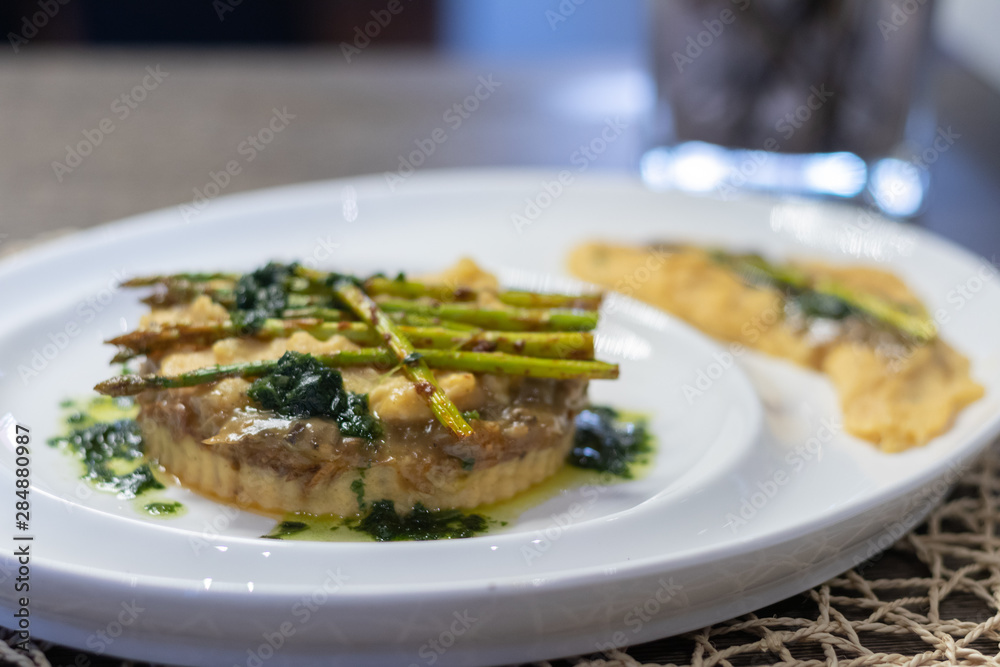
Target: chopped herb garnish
column 285, row 529
column 386, row 525
column 358, row 489
column 162, row 508
column 817, row 304
column 604, row 442
column 260, row 295
column 826, row 297
column 101, row 445
column 300, row 386
column 333, row 278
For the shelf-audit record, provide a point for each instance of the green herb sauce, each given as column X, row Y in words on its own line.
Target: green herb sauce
column 286, row 529
column 386, row 525
column 817, row 304
column 103, row 435
column 755, row 271
column 358, row 489
column 382, row 523
column 163, row 508
column 107, row 450
column 611, row 447
column 607, row 443
column 333, row 278
column 300, row 386
column 260, row 295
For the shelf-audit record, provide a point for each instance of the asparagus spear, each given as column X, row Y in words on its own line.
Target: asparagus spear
column 185, row 286
column 413, row 319
column 523, row 299
column 497, row 319
column 916, row 325
column 422, row 321
column 555, row 345
column 179, row 291
column 148, row 281
column 479, row 362
column 904, row 319
column 569, row 345
column 449, row 335
column 506, row 319
column 176, row 291
column 413, row 364
column 407, row 289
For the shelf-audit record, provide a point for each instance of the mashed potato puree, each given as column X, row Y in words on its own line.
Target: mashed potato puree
column 893, row 394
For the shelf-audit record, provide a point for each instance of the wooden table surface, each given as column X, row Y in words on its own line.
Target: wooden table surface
column 198, row 108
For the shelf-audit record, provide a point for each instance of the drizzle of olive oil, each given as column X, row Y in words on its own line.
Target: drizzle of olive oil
column 100, row 432
column 499, row 515
column 318, row 528
column 98, row 410
column 163, row 509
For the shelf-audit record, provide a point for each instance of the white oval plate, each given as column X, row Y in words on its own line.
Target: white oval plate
column 744, row 505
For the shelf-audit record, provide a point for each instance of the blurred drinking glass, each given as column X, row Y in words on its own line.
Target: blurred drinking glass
column 823, row 97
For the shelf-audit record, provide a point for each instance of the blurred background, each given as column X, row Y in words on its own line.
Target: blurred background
column 111, row 108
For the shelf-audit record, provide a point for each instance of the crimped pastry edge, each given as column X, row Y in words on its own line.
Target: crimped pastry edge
column 258, row 489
